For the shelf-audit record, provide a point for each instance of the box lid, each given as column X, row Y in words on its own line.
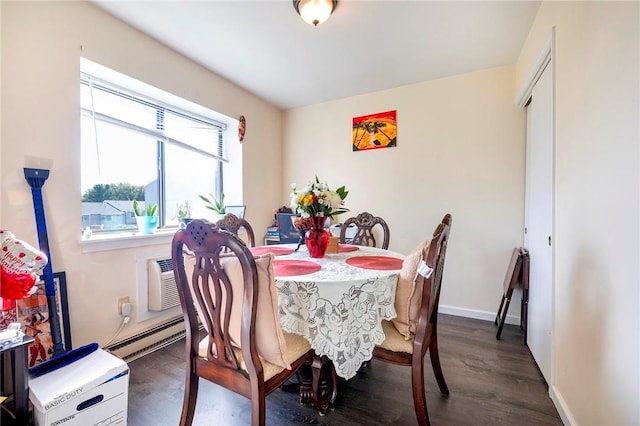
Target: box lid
column 59, row 386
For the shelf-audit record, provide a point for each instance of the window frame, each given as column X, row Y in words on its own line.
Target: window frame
column 113, row 86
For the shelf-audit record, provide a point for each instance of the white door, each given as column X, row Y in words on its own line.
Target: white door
column 538, row 237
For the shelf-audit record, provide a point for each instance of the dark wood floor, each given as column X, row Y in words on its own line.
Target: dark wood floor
column 491, row 382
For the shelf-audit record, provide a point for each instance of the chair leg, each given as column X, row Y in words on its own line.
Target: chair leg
column 332, row 378
column 435, row 363
column 305, row 379
column 325, row 384
column 525, row 313
column 316, row 371
column 503, row 317
column 190, row 396
column 258, row 406
column 417, row 386
column 499, row 310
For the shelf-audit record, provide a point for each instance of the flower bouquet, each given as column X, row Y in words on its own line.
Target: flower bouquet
column 317, row 203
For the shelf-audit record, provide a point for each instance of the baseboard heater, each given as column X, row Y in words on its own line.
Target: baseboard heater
column 149, row 340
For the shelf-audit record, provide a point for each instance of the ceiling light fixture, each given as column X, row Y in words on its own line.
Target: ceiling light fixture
column 315, row 12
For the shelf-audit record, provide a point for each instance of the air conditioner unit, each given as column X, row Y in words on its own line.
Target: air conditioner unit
column 163, row 293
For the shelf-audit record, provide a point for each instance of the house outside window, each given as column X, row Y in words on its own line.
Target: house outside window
column 137, row 146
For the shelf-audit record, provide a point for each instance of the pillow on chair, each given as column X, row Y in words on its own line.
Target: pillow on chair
column 270, row 340
column 408, row 294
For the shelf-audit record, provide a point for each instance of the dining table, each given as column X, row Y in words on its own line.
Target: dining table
column 337, row 302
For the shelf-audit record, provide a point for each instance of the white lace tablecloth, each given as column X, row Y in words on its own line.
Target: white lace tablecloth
column 339, row 308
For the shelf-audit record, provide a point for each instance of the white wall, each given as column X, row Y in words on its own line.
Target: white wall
column 460, row 151
column 597, row 298
column 42, row 43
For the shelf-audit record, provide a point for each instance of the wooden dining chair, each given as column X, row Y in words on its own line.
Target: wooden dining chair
column 232, row 223
column 232, row 294
column 397, row 350
column 365, row 223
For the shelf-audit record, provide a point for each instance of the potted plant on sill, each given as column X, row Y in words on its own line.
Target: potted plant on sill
column 216, row 206
column 183, row 214
column 147, row 219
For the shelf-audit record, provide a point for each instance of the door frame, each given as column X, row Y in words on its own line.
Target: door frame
column 546, row 58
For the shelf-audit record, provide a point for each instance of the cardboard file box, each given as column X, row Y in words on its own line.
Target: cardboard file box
column 92, row 390
column 332, row 246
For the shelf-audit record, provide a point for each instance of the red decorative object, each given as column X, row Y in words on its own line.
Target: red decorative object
column 317, row 238
column 16, row 286
column 19, row 263
column 374, row 131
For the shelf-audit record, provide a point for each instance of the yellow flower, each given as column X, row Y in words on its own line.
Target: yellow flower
column 307, row 200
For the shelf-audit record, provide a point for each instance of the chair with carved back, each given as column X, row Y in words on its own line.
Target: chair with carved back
column 396, row 349
column 365, row 223
column 231, row 292
column 232, row 223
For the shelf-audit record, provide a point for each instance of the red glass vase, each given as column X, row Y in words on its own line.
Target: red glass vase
column 317, row 238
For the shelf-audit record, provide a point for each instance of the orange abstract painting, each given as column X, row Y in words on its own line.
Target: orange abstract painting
column 374, row 131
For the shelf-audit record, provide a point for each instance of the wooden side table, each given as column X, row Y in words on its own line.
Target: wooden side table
column 15, row 375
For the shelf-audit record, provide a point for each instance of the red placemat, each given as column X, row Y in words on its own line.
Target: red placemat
column 375, row 262
column 277, row 251
column 342, row 248
column 285, row 268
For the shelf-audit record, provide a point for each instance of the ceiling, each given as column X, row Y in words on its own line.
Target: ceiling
column 365, row 46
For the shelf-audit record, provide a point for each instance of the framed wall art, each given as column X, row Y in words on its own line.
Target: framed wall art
column 33, row 314
column 374, row 131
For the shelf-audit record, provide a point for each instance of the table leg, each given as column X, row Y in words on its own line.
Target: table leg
column 21, row 386
column 524, row 314
column 331, row 382
column 14, row 372
column 306, row 385
column 322, row 377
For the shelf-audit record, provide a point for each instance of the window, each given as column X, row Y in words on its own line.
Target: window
column 147, row 147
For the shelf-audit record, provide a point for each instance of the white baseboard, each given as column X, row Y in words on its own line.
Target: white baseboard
column 476, row 314
column 561, row 405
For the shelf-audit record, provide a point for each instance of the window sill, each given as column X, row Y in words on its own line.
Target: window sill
column 114, row 242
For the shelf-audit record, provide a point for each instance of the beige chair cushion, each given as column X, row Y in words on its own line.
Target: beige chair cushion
column 296, row 347
column 393, row 340
column 270, row 341
column 408, row 294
